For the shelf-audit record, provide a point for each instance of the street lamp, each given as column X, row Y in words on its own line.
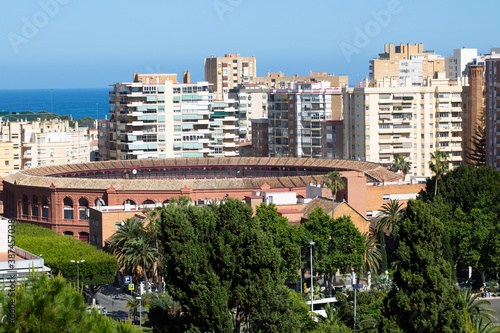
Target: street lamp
column 78, row 272
column 311, row 243
column 140, row 313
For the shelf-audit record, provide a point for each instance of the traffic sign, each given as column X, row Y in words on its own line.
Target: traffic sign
column 128, row 279
column 352, row 277
column 131, row 286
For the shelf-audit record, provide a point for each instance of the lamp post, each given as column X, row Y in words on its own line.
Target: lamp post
column 78, row 271
column 140, row 313
column 311, row 243
column 300, row 268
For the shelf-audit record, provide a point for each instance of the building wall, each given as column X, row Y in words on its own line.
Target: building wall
column 492, row 116
column 406, row 61
column 359, row 221
column 378, row 195
column 382, row 123
column 260, row 140
column 473, row 104
column 227, row 72
column 103, row 224
column 50, row 142
column 6, row 158
column 332, row 138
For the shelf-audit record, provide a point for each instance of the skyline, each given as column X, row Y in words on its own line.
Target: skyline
column 69, row 44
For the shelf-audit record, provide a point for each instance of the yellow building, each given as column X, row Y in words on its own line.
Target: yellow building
column 406, row 61
column 227, row 72
column 6, row 158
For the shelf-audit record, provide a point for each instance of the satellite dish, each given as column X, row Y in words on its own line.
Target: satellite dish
column 134, row 171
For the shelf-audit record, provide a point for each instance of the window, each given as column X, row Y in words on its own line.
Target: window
column 6, row 152
column 83, row 211
column 386, row 197
column 68, row 209
column 6, row 163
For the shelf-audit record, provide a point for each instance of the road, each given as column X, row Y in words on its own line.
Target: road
column 495, row 305
column 115, row 301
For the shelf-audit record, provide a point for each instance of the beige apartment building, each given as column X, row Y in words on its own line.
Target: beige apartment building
column 397, row 63
column 6, row 158
column 40, row 143
column 225, row 73
column 386, row 121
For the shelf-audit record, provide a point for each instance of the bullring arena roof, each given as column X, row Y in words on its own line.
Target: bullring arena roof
column 197, row 173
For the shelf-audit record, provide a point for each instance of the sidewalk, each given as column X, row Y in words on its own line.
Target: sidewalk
column 115, row 301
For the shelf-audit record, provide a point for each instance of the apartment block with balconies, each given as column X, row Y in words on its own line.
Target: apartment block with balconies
column 156, row 117
column 225, row 73
column 295, row 117
column 384, row 122
column 250, row 101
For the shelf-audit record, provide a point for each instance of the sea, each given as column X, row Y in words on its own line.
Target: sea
column 77, row 103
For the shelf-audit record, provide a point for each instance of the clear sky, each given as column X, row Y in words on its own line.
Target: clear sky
column 91, row 44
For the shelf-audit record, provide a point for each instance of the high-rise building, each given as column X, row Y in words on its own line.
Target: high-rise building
column 455, row 65
column 295, row 116
column 250, row 101
column 225, row 73
column 398, row 63
column 260, row 139
column 156, row 117
column 387, row 121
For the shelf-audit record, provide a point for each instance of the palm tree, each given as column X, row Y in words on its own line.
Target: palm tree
column 372, row 256
column 440, row 166
column 478, row 310
column 131, row 229
column 139, row 252
column 391, row 213
column 335, row 183
column 401, row 164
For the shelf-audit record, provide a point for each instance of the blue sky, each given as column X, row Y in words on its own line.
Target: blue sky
column 91, row 44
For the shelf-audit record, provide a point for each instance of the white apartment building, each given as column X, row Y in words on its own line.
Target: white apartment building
column 49, row 142
column 383, row 122
column 156, row 117
column 456, row 65
column 295, row 117
column 250, row 101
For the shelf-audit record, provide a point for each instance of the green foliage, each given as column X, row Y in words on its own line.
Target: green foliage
column 469, row 205
column 369, row 305
column 57, row 250
column 334, row 182
column 477, row 154
column 426, row 297
column 287, row 238
column 439, row 166
column 44, row 304
column 218, row 260
column 401, row 164
column 391, row 214
column 384, row 264
column 339, row 244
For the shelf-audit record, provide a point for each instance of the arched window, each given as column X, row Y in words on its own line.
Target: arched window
column 129, row 202
column 83, row 236
column 45, row 208
column 26, row 205
column 83, row 211
column 68, row 209
column 34, row 211
column 148, row 202
column 99, row 202
column 68, row 233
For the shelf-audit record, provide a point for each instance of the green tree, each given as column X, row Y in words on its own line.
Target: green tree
column 426, row 297
column 338, row 245
column 223, row 269
column 475, row 309
column 335, row 183
column 384, row 263
column 139, row 252
column 477, row 154
column 373, row 255
column 439, row 166
column 401, row 164
column 44, row 304
column 131, row 229
column 287, row 238
column 391, row 214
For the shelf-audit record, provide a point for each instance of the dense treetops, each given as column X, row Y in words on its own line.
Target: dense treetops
column 57, row 251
